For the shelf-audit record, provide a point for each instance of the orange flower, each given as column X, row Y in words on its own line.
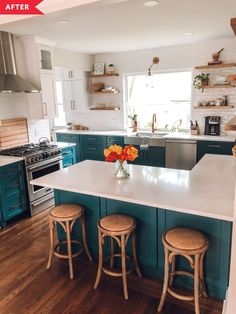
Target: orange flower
column 115, row 152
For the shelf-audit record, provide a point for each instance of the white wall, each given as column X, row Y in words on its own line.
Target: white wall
column 171, row 58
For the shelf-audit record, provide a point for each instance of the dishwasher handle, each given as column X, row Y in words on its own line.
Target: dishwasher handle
column 181, row 142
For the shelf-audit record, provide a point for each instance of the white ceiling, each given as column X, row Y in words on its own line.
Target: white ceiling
column 121, row 25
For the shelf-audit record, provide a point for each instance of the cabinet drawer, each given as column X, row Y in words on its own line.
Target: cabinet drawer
column 89, row 139
column 66, row 152
column 12, row 207
column 68, row 138
column 112, row 140
column 11, row 186
column 91, row 156
column 68, row 161
column 214, row 147
column 12, row 169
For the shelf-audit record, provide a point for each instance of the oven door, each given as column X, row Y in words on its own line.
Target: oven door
column 39, row 170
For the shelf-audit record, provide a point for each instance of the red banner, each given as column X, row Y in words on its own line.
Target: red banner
column 18, row 7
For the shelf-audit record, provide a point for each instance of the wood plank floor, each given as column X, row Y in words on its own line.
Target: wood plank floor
column 27, row 287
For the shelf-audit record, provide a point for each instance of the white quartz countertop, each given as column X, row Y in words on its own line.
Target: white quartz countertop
column 63, row 144
column 208, row 190
column 7, row 160
column 170, row 136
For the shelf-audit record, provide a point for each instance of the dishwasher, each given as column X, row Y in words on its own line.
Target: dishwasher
column 181, row 154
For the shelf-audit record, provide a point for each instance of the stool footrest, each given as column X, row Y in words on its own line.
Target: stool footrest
column 180, row 296
column 66, row 256
column 114, row 273
column 182, row 273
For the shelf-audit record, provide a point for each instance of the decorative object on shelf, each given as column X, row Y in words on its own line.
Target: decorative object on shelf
column 121, row 156
column 231, row 78
column 111, row 68
column 154, row 61
column 201, row 81
column 79, row 127
column 69, row 126
column 96, row 87
column 195, row 130
column 99, row 68
column 134, row 122
column 216, row 57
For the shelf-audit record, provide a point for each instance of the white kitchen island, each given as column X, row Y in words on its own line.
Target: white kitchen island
column 159, row 198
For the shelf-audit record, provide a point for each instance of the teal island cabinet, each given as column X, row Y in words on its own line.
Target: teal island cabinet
column 159, row 199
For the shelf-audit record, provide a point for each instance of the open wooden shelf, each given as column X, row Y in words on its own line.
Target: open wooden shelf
column 106, row 92
column 214, row 107
column 233, row 24
column 106, row 108
column 215, row 66
column 219, row 86
column 104, row 75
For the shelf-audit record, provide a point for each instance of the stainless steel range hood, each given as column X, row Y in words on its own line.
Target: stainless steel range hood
column 10, row 81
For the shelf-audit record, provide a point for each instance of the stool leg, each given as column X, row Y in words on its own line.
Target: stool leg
column 123, row 260
column 69, row 249
column 204, row 292
column 166, row 281
column 51, row 228
column 173, row 266
column 135, row 255
column 196, row 284
column 85, row 241
column 112, row 254
column 100, row 260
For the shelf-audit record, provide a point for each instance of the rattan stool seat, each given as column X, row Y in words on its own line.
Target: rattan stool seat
column 117, row 223
column 185, row 239
column 66, row 211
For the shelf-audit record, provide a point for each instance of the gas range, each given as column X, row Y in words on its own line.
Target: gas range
column 40, row 160
column 33, row 153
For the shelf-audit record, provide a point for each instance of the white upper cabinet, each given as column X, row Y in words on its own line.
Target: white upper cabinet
column 45, row 54
column 48, row 96
column 71, row 74
column 74, row 89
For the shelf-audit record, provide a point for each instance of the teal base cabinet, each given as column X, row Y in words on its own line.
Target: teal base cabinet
column 13, row 191
column 213, row 147
column 92, row 147
column 71, row 138
column 69, row 156
column 152, row 223
column 152, row 157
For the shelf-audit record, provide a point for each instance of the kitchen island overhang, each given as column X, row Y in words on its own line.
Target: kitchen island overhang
column 160, row 199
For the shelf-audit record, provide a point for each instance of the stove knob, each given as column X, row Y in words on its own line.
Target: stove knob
column 40, row 157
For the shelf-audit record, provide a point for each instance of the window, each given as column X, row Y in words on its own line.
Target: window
column 168, row 95
column 61, row 119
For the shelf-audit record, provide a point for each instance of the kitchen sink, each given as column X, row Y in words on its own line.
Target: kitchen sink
column 150, row 134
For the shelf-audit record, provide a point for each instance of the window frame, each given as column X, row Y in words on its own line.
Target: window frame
column 125, row 87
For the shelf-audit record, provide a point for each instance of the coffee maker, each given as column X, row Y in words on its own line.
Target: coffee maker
column 212, row 125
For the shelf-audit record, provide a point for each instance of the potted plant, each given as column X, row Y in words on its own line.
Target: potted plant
column 134, row 122
column 201, row 81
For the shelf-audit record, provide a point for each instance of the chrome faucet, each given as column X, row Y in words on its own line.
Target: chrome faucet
column 154, row 121
column 176, row 125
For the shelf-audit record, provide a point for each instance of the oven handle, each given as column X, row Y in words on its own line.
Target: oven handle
column 53, row 162
column 44, row 200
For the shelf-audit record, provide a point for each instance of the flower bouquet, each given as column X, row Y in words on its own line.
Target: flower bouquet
column 121, row 155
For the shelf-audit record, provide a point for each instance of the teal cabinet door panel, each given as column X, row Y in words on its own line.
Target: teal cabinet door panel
column 146, row 232
column 155, row 157
column 218, row 254
column 213, row 147
column 13, row 191
column 115, row 140
column 71, row 138
column 92, row 215
column 69, row 156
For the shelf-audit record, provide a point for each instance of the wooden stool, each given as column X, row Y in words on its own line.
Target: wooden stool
column 118, row 228
column 66, row 215
column 191, row 244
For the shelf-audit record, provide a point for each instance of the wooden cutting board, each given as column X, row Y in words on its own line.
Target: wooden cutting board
column 13, row 132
